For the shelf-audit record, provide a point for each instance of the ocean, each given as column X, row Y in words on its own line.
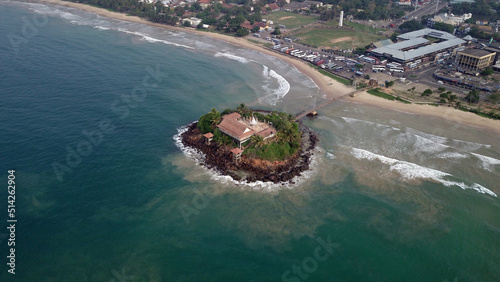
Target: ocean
column 91, row 109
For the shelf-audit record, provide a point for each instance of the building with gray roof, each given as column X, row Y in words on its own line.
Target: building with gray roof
column 420, row 44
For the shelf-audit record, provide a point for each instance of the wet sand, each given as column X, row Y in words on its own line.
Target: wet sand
column 328, row 86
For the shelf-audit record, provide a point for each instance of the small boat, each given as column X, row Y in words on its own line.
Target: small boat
column 312, row 114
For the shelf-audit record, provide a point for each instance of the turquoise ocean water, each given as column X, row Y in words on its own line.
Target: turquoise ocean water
column 89, row 111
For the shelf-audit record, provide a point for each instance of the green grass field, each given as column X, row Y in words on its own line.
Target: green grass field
column 361, row 36
column 362, row 27
column 337, row 38
column 289, row 19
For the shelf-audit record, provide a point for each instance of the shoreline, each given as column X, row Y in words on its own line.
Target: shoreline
column 248, row 170
column 326, row 85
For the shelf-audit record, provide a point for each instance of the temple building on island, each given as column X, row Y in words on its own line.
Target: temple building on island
column 242, row 129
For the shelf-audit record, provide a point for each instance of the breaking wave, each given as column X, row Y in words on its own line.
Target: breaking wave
column 410, row 171
column 152, row 39
column 101, row 27
column 232, row 57
column 488, row 162
column 452, row 155
column 274, row 94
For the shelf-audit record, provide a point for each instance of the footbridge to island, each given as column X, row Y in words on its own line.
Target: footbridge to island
column 304, row 113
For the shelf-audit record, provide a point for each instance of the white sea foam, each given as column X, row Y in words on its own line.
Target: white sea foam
column 411, row 171
column 101, row 27
column 335, row 122
column 423, row 144
column 355, row 120
column 152, row 39
column 370, row 123
column 199, row 158
column 53, row 11
column 451, row 155
column 276, row 94
column 466, row 146
column 434, row 138
column 232, row 57
column 488, row 162
column 330, row 155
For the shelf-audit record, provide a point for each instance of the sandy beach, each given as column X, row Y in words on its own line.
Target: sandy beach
column 328, row 86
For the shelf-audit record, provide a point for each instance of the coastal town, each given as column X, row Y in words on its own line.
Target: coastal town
column 417, row 52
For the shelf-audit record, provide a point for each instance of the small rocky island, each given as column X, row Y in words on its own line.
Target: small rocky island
column 252, row 145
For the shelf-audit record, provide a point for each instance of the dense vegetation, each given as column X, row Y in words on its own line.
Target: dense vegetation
column 285, row 144
column 364, row 9
column 480, row 9
column 411, row 26
column 227, row 19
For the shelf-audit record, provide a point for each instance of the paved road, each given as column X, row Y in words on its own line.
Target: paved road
column 427, row 9
column 425, row 77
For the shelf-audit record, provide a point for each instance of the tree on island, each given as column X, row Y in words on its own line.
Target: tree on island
column 285, row 143
column 276, row 31
column 243, row 110
column 208, row 122
column 257, row 141
column 216, row 117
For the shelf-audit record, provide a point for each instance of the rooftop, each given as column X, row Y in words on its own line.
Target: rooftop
column 274, row 6
column 476, row 52
column 383, row 43
column 416, row 38
column 236, row 151
column 427, row 32
column 241, row 129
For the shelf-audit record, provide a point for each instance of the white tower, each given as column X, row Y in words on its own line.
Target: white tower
column 341, row 20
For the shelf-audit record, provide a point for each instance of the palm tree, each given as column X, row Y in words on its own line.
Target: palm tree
column 225, row 139
column 241, row 109
column 216, row 117
column 257, row 140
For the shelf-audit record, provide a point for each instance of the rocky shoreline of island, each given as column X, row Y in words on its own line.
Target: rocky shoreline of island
column 248, row 169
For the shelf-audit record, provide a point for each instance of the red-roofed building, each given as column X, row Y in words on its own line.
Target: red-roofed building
column 247, row 25
column 204, row 3
column 267, row 133
column 241, row 130
column 208, row 137
column 274, row 6
column 261, row 24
